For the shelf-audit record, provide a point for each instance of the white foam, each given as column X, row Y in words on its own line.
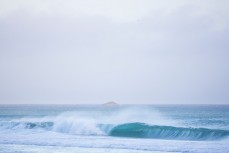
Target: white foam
column 69, row 123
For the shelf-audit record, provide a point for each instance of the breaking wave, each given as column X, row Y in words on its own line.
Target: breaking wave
column 132, row 130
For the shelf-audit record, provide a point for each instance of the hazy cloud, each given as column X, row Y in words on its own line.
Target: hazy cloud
column 127, row 51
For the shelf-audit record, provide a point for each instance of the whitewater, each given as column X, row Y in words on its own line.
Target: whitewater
column 114, row 129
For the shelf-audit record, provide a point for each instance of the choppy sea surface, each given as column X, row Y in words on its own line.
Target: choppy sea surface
column 114, row 129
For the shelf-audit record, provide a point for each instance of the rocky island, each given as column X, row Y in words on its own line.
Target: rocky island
column 111, row 103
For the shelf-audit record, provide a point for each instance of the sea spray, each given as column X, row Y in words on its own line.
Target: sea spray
column 76, row 125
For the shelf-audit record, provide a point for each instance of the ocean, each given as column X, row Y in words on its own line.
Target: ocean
column 114, row 129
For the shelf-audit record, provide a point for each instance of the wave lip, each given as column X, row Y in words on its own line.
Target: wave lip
column 142, row 130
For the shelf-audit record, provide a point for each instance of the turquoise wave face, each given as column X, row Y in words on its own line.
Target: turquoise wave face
column 141, row 130
column 132, row 130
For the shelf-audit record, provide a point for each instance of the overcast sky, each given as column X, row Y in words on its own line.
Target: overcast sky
column 128, row 51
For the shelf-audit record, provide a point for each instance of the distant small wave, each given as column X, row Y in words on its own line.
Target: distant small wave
column 26, row 125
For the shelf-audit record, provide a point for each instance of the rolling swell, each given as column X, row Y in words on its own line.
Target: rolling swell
column 141, row 130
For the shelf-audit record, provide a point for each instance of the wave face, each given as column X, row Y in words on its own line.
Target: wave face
column 141, row 130
column 131, row 130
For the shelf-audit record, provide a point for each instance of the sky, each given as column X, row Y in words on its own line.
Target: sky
column 127, row 51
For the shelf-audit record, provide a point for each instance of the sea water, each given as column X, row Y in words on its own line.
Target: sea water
column 114, row 129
